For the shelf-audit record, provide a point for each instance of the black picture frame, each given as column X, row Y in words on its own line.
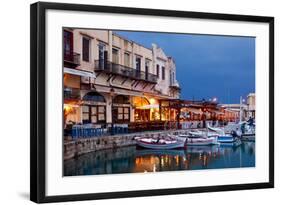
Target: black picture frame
column 38, row 103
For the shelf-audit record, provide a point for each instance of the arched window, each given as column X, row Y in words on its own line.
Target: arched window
column 142, row 114
column 140, row 101
column 94, row 96
column 121, row 99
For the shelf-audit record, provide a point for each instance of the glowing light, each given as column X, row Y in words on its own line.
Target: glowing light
column 152, row 101
column 67, row 108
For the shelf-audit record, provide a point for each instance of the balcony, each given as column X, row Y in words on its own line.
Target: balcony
column 175, row 85
column 71, row 59
column 117, row 69
column 71, row 94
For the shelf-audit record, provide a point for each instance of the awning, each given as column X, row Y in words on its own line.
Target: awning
column 193, row 110
column 79, row 72
column 149, row 107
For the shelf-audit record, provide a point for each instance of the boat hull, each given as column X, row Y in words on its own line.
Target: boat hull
column 176, row 145
column 226, row 139
column 198, row 141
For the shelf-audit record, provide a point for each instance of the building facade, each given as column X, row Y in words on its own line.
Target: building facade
column 111, row 79
column 251, row 103
column 244, row 110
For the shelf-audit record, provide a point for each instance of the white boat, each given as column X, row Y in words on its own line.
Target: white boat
column 226, row 138
column 217, row 130
column 197, row 140
column 203, row 134
column 151, row 143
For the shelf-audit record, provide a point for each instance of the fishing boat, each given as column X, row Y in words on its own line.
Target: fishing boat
column 222, row 137
column 160, row 144
column 216, row 130
column 197, row 140
column 202, row 133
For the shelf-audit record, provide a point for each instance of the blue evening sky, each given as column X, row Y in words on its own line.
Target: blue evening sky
column 207, row 66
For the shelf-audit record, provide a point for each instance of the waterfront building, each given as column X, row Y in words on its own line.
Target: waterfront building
column 242, row 111
column 251, row 103
column 109, row 79
column 236, row 110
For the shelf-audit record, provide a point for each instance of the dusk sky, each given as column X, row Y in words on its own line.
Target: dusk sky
column 207, row 66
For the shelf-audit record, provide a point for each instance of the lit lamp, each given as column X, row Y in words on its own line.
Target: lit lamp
column 67, row 110
column 152, row 101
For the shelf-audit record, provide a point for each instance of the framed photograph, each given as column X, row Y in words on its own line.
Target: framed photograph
column 129, row 102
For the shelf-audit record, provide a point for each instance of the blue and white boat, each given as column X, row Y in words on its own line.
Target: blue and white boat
column 223, row 138
column 226, row 138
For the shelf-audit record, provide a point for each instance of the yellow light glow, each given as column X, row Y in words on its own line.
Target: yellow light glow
column 67, row 108
column 152, row 101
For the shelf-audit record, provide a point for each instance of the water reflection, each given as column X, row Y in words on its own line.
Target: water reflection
column 130, row 159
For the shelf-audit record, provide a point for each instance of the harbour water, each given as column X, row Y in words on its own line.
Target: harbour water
column 132, row 159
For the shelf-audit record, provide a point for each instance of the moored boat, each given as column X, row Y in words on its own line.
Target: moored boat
column 151, row 143
column 203, row 133
column 197, row 140
column 217, row 130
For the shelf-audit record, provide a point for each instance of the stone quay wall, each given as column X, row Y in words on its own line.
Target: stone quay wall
column 81, row 146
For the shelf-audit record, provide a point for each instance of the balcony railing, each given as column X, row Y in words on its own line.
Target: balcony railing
column 72, row 58
column 175, row 85
column 71, row 94
column 113, row 68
